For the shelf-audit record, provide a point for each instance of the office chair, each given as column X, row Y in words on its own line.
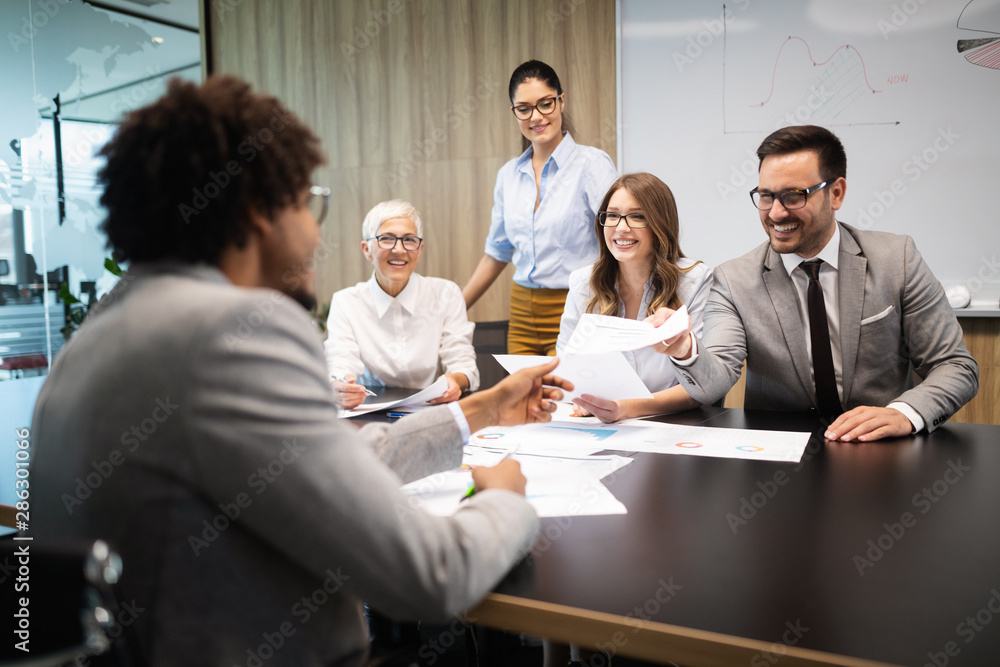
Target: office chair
column 488, row 339
column 61, row 599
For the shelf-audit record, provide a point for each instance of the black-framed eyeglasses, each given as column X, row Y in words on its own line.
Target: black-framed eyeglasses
column 609, row 219
column 790, row 199
column 388, row 241
column 318, row 202
column 545, row 106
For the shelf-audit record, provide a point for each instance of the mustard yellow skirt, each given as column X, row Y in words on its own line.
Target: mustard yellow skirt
column 534, row 320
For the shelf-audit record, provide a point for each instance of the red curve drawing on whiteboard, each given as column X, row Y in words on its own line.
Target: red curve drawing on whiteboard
column 774, row 71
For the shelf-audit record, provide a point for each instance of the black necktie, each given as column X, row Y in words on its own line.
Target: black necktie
column 819, row 333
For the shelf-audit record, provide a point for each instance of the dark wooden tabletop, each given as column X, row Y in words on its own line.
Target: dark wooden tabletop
column 884, row 551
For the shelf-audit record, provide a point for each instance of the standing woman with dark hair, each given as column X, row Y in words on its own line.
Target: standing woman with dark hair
column 543, row 205
column 640, row 268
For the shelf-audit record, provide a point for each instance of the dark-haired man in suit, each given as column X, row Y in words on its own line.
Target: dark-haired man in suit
column 841, row 335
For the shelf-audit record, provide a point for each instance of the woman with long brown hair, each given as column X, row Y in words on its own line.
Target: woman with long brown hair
column 640, row 268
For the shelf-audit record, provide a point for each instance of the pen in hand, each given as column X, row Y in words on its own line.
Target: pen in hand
column 368, row 392
column 472, row 487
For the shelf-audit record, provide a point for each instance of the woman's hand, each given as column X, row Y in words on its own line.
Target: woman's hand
column 605, row 410
column 452, row 393
column 349, row 394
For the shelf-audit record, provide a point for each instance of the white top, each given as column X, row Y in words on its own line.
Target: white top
column 403, row 341
column 654, row 369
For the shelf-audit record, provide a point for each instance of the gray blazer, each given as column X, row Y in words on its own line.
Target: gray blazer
column 894, row 317
column 191, row 424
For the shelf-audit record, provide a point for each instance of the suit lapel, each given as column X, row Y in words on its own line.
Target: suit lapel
column 786, row 306
column 851, row 282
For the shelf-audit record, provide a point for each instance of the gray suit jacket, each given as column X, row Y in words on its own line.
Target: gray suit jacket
column 894, row 317
column 191, row 424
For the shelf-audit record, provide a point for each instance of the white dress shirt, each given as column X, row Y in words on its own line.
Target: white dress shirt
column 403, row 341
column 654, row 369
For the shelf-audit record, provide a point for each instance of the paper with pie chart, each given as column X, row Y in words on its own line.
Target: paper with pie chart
column 730, row 443
column 607, row 375
column 560, row 438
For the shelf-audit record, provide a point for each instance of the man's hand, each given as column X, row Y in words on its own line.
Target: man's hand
column 679, row 346
column 452, row 393
column 605, row 410
column 866, row 423
column 348, row 394
column 504, row 475
column 520, row 398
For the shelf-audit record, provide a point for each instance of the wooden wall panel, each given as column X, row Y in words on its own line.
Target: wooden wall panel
column 982, row 337
column 410, row 100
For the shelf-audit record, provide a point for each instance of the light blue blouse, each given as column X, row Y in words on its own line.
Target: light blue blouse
column 548, row 244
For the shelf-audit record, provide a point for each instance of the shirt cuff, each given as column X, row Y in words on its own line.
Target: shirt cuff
column 463, row 424
column 910, row 413
column 694, row 354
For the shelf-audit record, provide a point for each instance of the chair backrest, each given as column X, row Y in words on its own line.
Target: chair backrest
column 490, row 338
column 60, row 606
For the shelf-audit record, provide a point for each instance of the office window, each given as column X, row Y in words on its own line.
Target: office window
column 70, row 71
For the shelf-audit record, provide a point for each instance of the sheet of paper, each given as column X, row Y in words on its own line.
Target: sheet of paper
column 605, row 333
column 606, row 375
column 415, row 401
column 565, row 438
column 561, row 486
column 731, row 443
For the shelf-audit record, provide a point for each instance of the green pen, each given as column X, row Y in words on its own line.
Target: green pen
column 471, row 492
column 472, row 487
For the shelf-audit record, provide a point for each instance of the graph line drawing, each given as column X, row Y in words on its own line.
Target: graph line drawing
column 846, row 47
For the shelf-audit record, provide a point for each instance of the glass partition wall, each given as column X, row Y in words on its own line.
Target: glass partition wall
column 69, row 70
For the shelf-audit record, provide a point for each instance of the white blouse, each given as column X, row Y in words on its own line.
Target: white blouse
column 403, row 341
column 654, row 369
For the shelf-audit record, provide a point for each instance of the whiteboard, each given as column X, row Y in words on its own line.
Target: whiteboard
column 702, row 83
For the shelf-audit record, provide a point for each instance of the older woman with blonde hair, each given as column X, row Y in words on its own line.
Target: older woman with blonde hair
column 640, row 268
column 398, row 328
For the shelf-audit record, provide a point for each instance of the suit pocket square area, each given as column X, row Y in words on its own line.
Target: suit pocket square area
column 875, row 318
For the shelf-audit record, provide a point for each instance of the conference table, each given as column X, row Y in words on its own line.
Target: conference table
column 860, row 554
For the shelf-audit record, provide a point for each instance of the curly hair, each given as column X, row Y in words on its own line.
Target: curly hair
column 183, row 173
column 657, row 202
